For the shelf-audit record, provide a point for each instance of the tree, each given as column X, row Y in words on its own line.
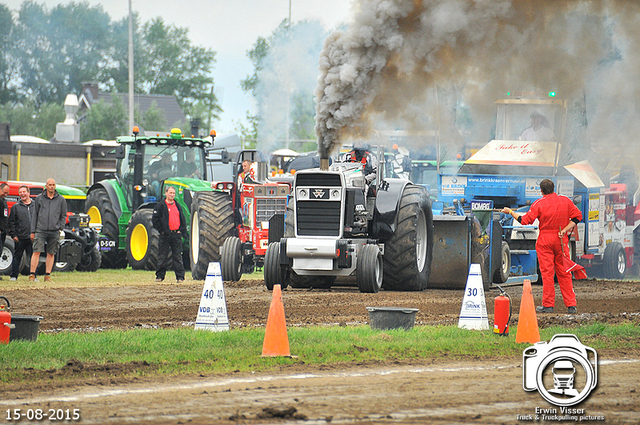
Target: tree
column 153, row 119
column 104, row 121
column 7, row 92
column 59, row 49
column 49, row 115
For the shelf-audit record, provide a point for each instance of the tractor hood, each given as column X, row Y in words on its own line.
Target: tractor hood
column 189, row 183
column 513, row 157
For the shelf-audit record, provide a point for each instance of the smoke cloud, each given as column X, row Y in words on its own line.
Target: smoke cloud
column 409, row 63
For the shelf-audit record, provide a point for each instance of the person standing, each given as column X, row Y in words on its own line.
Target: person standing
column 169, row 220
column 4, row 214
column 557, row 216
column 20, row 229
column 49, row 218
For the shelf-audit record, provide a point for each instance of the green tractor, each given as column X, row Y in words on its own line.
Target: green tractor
column 123, row 205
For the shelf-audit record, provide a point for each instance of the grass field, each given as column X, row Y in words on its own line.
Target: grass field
column 183, row 351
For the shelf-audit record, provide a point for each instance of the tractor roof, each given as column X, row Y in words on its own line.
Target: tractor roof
column 175, row 138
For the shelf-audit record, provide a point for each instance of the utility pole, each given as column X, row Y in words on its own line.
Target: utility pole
column 131, row 94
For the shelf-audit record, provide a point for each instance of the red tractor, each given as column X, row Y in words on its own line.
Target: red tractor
column 255, row 201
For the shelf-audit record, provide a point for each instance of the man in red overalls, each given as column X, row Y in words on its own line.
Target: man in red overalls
column 557, row 216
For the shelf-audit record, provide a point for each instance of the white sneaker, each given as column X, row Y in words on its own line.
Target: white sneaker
column 13, row 279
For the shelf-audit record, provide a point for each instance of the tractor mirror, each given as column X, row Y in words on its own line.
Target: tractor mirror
column 224, row 156
column 120, row 153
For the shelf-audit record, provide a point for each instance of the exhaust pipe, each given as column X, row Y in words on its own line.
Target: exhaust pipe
column 324, row 164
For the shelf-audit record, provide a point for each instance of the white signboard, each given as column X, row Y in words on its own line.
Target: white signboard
column 453, row 185
column 212, row 313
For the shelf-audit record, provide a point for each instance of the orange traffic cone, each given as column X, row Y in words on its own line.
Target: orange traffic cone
column 527, row 321
column 276, row 342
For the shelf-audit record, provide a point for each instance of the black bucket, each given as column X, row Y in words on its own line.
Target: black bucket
column 26, row 327
column 392, row 317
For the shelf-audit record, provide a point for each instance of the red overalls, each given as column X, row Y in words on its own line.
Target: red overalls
column 553, row 212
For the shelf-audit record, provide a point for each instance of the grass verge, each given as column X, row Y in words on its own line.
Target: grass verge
column 184, row 351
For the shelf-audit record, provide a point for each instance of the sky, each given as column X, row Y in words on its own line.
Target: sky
column 230, row 28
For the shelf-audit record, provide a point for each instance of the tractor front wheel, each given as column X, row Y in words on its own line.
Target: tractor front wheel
column 142, row 241
column 369, row 269
column 211, row 223
column 231, row 259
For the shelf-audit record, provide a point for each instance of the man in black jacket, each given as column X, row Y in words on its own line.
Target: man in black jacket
column 4, row 214
column 20, row 229
column 170, row 222
column 49, row 218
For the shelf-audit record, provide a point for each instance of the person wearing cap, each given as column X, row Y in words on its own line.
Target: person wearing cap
column 360, row 153
column 539, row 130
column 557, row 215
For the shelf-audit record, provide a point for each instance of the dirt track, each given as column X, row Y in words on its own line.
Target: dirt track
column 424, row 391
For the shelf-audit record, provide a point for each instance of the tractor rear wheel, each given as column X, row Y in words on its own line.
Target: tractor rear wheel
column 211, row 223
column 408, row 254
column 369, row 269
column 615, row 261
column 142, row 241
column 231, row 259
column 100, row 209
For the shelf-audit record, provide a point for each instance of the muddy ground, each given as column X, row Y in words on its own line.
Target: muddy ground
column 420, row 391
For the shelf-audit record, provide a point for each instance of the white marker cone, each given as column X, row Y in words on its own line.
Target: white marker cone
column 473, row 314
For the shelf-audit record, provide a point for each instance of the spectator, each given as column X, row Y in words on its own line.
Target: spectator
column 48, row 219
column 169, row 220
column 20, row 229
column 4, row 191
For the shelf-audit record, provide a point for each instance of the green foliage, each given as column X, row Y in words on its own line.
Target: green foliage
column 248, row 133
column 104, row 121
column 153, row 119
column 7, row 93
column 49, row 115
column 26, row 119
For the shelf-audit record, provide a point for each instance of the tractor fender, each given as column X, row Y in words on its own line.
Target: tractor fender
column 110, row 187
column 388, row 195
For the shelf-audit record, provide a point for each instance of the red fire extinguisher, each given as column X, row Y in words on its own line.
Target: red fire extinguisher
column 502, row 313
column 5, row 322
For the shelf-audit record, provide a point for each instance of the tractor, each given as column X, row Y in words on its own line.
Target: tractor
column 255, row 201
column 337, row 225
column 123, row 205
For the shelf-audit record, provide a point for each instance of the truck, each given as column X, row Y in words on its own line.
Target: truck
column 79, row 247
column 123, row 205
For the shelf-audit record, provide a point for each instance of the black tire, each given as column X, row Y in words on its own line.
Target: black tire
column 273, row 273
column 142, row 241
column 99, row 206
column 614, row 261
column 502, row 272
column 408, row 254
column 6, row 256
column 60, row 266
column 91, row 261
column 211, row 223
column 369, row 270
column 231, row 259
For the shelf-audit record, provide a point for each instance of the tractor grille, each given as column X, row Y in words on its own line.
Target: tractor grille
column 318, row 218
column 267, row 207
column 319, row 179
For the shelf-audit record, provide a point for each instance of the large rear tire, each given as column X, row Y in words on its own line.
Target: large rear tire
column 100, row 209
column 614, row 261
column 142, row 241
column 231, row 259
column 408, row 254
column 369, row 270
column 211, row 223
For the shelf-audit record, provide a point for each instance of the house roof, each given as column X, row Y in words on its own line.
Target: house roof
column 173, row 114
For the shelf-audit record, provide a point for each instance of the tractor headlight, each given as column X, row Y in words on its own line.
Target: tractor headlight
column 335, row 194
column 265, row 225
column 303, row 194
column 145, row 182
